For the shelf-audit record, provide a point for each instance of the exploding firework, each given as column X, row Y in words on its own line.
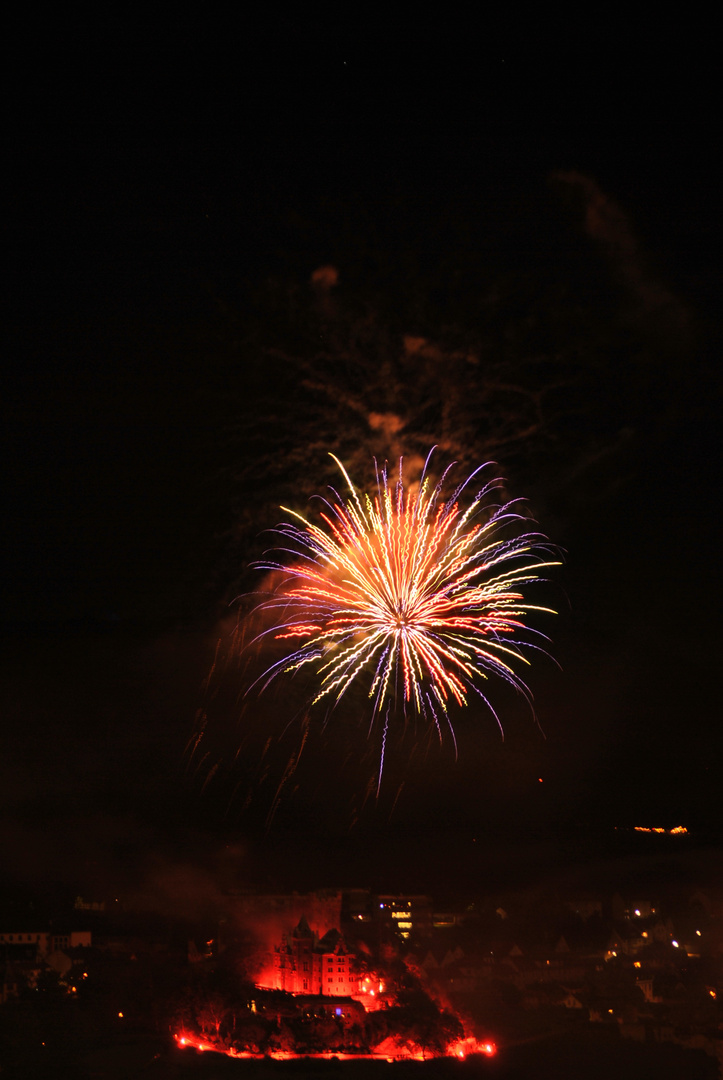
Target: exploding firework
column 407, row 593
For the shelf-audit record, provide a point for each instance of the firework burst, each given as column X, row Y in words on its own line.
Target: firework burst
column 407, row 593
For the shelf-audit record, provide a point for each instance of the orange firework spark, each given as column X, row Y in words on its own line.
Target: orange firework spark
column 408, row 592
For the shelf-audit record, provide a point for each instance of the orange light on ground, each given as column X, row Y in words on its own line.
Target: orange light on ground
column 120, row 1014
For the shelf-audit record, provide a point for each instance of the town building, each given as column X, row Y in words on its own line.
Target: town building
column 34, row 944
column 405, row 914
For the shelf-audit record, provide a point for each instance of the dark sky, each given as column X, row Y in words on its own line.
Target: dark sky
column 164, row 336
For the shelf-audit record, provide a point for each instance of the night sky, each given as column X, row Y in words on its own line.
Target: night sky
column 175, row 377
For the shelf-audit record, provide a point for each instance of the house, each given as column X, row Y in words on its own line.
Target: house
column 30, row 943
column 25, row 952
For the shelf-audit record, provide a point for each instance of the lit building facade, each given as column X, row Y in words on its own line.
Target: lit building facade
column 405, row 914
column 304, row 964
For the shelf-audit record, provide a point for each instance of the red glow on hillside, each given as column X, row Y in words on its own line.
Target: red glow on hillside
column 316, row 998
column 461, row 1049
column 193, row 1041
column 465, row 1047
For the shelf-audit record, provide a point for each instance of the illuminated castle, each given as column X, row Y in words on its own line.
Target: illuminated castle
column 305, row 965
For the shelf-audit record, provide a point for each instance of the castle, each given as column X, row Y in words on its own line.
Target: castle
column 305, row 965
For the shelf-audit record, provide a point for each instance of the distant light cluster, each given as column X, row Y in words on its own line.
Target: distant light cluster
column 679, row 830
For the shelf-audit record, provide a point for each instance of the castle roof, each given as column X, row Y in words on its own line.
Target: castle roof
column 333, row 942
column 302, row 929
